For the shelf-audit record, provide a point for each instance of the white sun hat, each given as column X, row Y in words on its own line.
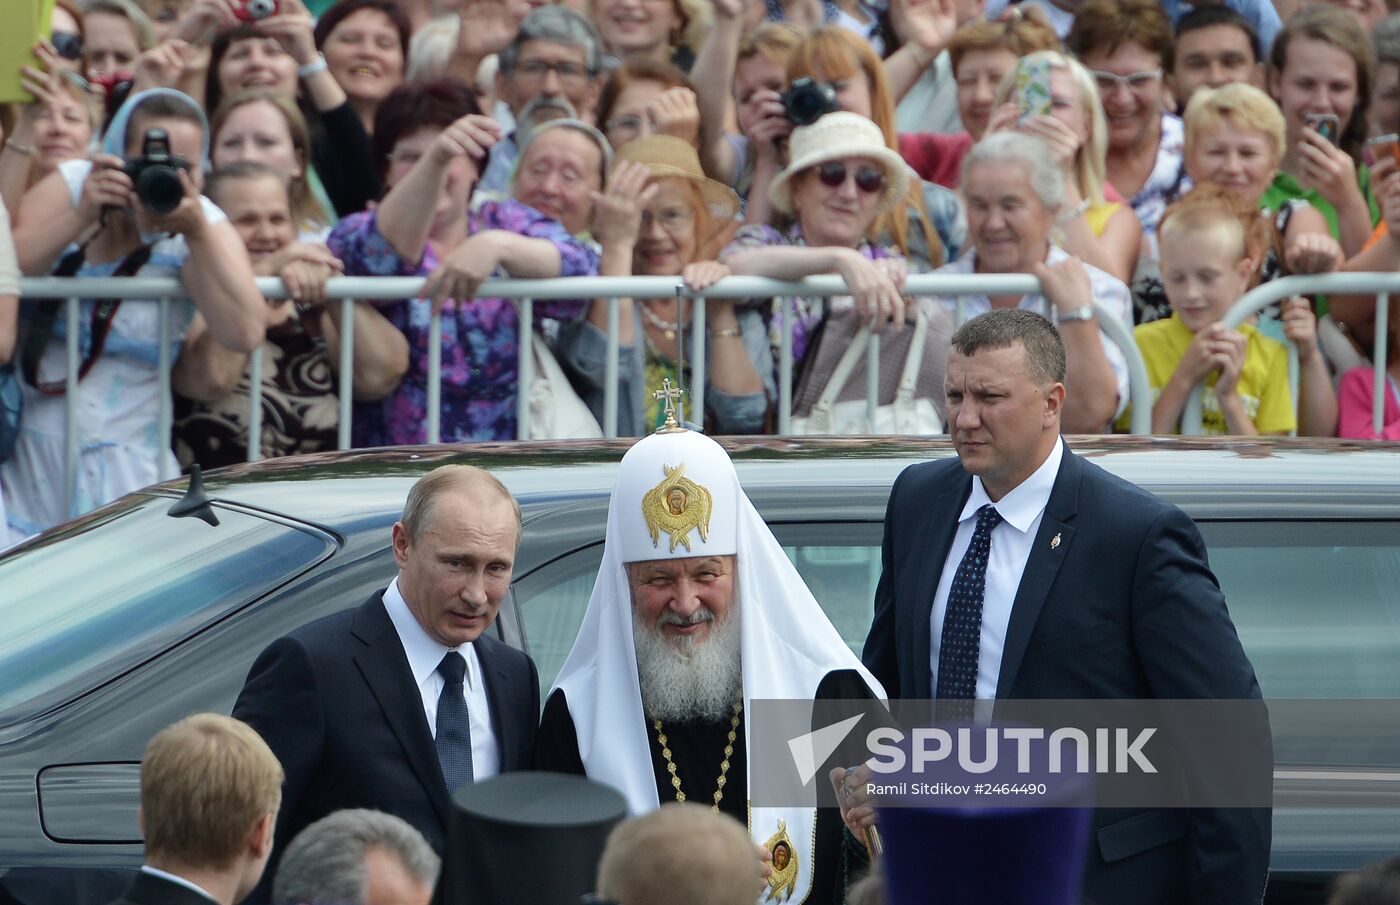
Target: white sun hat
column 833, row 137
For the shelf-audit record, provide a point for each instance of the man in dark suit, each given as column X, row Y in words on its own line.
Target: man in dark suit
column 210, row 788
column 395, row 703
column 1023, row 571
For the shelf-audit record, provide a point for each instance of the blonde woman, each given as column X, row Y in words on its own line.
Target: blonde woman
column 1100, row 231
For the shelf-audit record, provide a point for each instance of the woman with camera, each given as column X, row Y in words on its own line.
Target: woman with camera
column 843, row 73
column 141, row 195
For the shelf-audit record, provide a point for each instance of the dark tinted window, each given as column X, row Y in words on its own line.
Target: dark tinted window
column 119, row 586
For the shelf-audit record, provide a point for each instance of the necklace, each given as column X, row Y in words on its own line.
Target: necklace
column 723, row 765
column 669, row 328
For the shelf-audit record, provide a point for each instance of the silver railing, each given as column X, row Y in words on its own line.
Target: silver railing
column 348, row 290
column 1266, row 294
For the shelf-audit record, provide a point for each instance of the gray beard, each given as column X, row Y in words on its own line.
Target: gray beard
column 684, row 680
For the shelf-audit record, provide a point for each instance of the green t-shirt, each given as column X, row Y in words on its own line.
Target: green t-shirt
column 1285, row 188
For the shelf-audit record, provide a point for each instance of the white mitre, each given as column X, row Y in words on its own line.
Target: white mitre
column 677, row 495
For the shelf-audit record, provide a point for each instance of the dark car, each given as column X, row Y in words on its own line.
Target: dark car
column 128, row 619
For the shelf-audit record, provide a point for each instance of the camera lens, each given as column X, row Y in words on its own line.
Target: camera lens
column 159, row 189
column 807, row 101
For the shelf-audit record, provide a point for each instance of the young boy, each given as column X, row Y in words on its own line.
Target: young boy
column 1211, row 245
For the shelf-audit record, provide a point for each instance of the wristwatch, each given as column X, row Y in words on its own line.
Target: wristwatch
column 1085, row 313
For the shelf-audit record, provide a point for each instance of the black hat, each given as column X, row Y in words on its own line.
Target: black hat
column 526, row 838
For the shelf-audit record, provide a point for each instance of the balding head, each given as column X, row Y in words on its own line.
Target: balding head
column 467, row 479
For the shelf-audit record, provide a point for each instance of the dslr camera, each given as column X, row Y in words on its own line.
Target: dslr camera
column 807, row 101
column 156, row 173
column 253, row 10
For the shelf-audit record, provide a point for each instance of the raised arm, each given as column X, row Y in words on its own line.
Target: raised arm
column 402, row 215
column 713, row 77
column 49, row 222
column 219, row 277
column 925, row 27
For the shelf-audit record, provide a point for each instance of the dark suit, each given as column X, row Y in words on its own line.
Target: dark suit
column 336, row 702
column 1123, row 606
column 148, row 889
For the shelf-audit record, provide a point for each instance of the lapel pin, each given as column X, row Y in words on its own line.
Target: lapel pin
column 1054, row 541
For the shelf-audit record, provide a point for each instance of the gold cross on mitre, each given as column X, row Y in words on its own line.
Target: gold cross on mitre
column 670, row 396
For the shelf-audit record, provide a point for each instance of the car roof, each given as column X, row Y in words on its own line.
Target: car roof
column 1210, row 477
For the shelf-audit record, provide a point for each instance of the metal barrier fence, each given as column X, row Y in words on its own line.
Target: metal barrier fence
column 1264, row 295
column 350, row 289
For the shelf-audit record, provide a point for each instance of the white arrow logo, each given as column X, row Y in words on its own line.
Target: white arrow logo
column 811, row 750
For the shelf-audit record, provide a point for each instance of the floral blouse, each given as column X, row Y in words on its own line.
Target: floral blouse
column 809, row 310
column 480, row 337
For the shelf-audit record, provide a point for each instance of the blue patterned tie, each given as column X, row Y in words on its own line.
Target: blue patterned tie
column 962, row 622
column 454, row 728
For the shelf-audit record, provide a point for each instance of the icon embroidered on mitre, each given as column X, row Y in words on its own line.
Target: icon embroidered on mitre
column 783, row 880
column 677, row 505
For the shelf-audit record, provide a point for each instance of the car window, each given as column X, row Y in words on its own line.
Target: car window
column 102, row 595
column 839, row 561
column 1317, row 604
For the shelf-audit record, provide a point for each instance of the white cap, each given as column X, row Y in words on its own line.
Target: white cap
column 677, row 495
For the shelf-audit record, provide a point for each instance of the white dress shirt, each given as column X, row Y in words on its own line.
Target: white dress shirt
column 1021, row 511
column 178, row 881
column 424, row 655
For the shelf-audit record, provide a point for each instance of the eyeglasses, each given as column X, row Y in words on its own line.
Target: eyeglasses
column 569, row 73
column 868, row 179
column 68, row 44
column 672, row 219
column 1136, row 82
column 624, row 128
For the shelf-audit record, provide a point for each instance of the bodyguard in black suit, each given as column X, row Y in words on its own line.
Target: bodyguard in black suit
column 1115, row 600
column 393, row 704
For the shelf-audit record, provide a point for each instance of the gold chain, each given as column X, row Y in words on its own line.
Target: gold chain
column 723, row 765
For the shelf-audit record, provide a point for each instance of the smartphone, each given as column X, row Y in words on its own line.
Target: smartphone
column 1384, row 146
column 1033, row 88
column 1325, row 124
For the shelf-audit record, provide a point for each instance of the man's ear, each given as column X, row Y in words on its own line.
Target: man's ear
column 400, row 544
column 1054, row 402
column 260, row 840
column 141, row 820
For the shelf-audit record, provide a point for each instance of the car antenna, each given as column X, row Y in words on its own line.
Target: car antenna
column 195, row 503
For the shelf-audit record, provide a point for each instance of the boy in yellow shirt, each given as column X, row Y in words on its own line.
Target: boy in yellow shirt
column 1211, row 243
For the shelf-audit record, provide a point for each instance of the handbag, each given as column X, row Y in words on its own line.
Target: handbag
column 906, row 415
column 556, row 411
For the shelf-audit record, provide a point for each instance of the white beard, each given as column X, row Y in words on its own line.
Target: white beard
column 682, row 679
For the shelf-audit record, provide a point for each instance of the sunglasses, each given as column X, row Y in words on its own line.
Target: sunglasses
column 68, row 44
column 868, row 179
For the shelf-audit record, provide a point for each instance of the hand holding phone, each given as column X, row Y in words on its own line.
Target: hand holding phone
column 1033, row 89
column 1384, row 147
column 1325, row 124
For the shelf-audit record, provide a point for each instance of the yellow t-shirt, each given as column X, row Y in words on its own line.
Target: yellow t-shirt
column 1263, row 384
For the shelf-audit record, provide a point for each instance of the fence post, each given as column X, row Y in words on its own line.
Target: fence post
column 610, row 367
column 785, row 368
column 525, row 370
column 163, row 424
column 872, row 376
column 70, row 411
column 1380, row 378
column 697, row 358
column 435, row 378
column 347, row 371
column 255, row 379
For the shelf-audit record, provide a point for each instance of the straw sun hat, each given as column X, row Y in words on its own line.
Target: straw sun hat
column 833, row 137
column 666, row 155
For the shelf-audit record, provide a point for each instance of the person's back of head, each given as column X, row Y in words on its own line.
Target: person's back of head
column 1378, row 884
column 681, row 854
column 210, row 790
column 357, row 857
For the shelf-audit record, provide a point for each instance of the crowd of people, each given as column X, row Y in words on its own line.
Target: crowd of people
column 1148, row 162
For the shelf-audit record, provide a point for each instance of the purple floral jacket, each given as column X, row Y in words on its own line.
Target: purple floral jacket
column 480, row 337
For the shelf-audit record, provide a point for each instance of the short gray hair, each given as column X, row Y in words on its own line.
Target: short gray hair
column 1387, row 39
column 325, row 863
column 1025, row 151
column 557, row 25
